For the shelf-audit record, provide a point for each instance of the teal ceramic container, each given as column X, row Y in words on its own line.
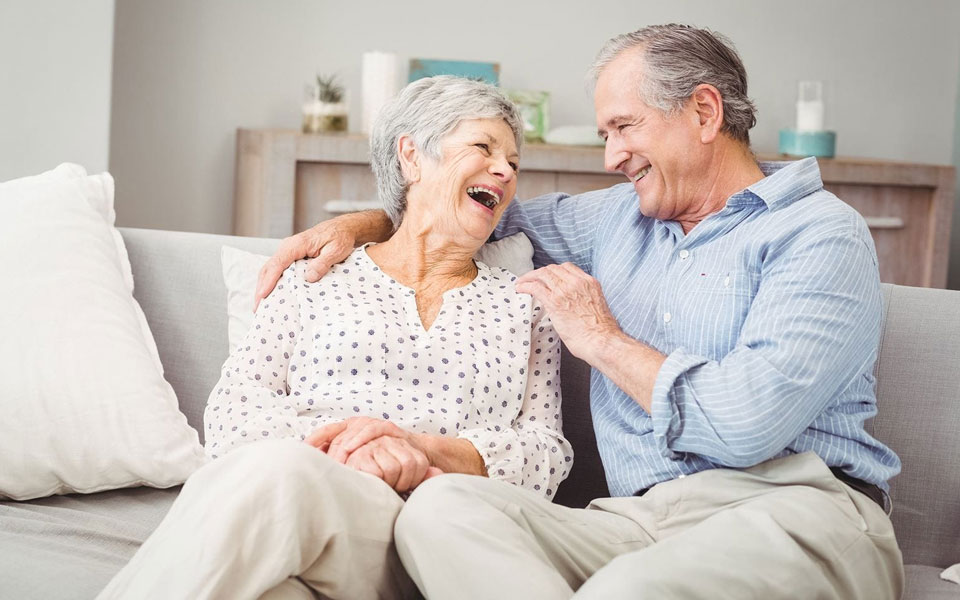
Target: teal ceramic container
column 822, row 144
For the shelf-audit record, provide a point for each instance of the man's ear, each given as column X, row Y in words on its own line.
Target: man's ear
column 409, row 159
column 708, row 104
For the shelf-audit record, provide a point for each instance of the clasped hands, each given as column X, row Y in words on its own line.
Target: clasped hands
column 377, row 447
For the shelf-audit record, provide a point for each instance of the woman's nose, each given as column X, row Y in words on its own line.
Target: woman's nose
column 501, row 169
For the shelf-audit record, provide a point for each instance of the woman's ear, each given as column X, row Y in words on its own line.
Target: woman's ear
column 409, row 159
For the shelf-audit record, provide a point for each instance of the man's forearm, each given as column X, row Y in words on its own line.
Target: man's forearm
column 366, row 225
column 631, row 365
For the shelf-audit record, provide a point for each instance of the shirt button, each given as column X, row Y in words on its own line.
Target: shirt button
column 681, row 476
column 667, row 317
column 684, row 254
column 726, row 281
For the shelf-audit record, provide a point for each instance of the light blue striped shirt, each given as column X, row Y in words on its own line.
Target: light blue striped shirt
column 769, row 312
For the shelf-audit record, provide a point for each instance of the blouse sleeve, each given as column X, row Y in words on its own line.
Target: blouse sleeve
column 532, row 452
column 251, row 401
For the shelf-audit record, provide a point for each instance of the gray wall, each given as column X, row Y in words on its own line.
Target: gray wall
column 188, row 73
column 55, row 73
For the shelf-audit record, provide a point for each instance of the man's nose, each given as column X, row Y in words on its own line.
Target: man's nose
column 614, row 155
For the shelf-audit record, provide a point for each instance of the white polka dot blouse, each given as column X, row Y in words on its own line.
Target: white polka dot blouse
column 352, row 344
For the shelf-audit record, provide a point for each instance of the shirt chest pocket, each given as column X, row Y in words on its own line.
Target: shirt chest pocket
column 714, row 309
column 726, row 283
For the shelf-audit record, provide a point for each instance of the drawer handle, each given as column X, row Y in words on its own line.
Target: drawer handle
column 347, row 206
column 884, row 222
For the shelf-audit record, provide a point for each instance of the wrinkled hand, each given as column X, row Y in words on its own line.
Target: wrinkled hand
column 327, row 243
column 377, row 447
column 575, row 304
column 399, row 464
column 340, row 439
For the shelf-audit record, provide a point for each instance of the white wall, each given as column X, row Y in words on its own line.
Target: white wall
column 187, row 73
column 56, row 58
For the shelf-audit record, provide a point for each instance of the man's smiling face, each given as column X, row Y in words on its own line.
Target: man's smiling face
column 660, row 154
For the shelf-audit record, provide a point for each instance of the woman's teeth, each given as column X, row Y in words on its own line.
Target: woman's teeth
column 484, row 196
column 640, row 175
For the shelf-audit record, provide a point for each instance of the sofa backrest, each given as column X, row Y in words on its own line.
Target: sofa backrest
column 918, row 400
column 178, row 282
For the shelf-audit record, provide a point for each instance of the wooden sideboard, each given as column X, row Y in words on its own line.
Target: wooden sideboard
column 285, row 180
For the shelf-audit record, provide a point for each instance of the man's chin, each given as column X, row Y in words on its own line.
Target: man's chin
column 649, row 209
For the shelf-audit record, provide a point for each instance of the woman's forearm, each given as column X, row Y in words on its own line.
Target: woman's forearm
column 452, row 455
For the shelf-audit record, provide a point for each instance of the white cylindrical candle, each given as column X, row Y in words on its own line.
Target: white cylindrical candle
column 809, row 115
column 380, row 81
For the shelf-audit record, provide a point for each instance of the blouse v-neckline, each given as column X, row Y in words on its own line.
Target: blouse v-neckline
column 410, row 295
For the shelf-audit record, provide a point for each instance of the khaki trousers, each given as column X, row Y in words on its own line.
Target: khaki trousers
column 277, row 519
column 786, row 528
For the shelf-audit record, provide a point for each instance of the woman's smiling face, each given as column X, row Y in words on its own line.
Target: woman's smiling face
column 474, row 180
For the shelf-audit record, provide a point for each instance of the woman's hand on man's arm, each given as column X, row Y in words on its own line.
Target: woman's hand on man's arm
column 328, row 243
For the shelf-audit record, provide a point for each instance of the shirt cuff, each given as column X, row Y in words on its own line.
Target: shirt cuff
column 501, row 453
column 666, row 408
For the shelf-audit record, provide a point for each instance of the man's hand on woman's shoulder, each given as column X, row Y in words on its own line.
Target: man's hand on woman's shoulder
column 326, row 243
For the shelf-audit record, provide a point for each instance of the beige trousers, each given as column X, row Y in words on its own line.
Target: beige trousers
column 784, row 529
column 277, row 519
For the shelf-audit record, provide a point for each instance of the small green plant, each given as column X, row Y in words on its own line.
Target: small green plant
column 329, row 90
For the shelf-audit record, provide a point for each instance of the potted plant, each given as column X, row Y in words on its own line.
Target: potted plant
column 325, row 108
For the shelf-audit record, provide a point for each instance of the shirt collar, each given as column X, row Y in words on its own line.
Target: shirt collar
column 785, row 183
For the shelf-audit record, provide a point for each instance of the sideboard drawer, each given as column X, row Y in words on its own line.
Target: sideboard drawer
column 899, row 220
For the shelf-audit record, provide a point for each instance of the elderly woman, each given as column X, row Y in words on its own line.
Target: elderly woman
column 408, row 360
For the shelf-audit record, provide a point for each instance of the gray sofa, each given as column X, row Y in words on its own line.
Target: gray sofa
column 70, row 546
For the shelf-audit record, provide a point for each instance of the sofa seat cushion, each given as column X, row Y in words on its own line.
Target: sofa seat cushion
column 924, row 583
column 70, row 546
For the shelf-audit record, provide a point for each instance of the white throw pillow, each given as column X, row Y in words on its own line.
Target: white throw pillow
column 241, row 268
column 82, row 392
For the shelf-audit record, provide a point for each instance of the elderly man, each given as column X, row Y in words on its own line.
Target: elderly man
column 732, row 348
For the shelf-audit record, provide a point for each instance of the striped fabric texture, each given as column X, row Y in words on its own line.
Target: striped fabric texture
column 769, row 312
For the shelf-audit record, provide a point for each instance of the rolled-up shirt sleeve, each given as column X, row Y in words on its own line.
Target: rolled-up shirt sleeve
column 251, row 400
column 531, row 452
column 812, row 328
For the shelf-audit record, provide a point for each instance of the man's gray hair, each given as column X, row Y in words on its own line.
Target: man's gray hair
column 427, row 110
column 678, row 58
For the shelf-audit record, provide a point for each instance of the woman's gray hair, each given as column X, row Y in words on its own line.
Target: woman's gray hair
column 427, row 110
column 678, row 58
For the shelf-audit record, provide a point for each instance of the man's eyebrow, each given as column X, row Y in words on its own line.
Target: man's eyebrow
column 613, row 121
column 617, row 119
